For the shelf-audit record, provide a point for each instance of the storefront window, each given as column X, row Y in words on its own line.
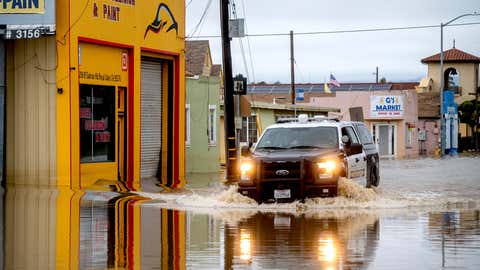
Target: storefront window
column 249, row 129
column 97, row 123
column 212, row 122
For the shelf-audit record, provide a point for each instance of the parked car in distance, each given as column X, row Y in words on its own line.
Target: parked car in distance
column 304, row 157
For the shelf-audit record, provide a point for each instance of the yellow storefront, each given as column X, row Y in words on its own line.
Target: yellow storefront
column 113, row 81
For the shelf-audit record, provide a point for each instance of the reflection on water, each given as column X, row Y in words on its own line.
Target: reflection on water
column 288, row 241
column 64, row 229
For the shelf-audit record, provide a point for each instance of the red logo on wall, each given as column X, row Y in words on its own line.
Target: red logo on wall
column 124, row 61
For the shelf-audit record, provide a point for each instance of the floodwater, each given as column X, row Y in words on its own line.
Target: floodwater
column 424, row 215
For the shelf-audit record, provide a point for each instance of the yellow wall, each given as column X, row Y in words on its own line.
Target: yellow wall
column 76, row 22
column 30, row 236
column 31, row 124
column 468, row 78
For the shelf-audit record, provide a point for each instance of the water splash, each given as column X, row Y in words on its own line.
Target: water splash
column 351, row 196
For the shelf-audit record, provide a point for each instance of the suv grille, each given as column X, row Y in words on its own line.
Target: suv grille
column 282, row 170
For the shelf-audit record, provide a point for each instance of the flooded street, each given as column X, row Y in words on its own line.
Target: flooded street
column 424, row 215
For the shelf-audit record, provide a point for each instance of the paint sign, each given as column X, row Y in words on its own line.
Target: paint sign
column 386, row 106
column 25, row 6
column 27, row 19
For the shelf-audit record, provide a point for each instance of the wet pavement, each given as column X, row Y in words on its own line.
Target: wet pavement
column 424, row 215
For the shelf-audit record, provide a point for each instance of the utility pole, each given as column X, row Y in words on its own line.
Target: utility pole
column 230, row 146
column 376, row 75
column 292, row 70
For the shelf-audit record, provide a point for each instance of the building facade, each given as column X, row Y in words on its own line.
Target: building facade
column 389, row 110
column 202, row 125
column 101, row 98
column 390, row 115
column 461, row 75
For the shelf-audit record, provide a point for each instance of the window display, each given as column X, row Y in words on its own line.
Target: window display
column 97, row 123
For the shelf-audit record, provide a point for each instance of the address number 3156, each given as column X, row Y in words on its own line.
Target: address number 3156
column 30, row 33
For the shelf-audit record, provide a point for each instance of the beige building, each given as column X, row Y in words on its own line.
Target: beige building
column 460, row 75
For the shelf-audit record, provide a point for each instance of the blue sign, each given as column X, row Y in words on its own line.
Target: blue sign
column 300, row 94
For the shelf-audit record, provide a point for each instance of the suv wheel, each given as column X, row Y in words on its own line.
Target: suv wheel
column 373, row 178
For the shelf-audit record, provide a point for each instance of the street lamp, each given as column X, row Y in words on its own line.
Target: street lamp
column 442, row 118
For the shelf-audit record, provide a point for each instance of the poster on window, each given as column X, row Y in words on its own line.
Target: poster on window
column 97, row 126
column 386, row 106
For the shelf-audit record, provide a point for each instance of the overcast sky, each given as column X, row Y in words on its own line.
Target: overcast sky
column 351, row 57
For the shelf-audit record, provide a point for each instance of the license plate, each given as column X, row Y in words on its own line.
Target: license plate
column 281, row 221
column 281, row 193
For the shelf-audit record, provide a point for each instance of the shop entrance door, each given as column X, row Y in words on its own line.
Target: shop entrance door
column 98, row 133
column 151, row 117
column 384, row 136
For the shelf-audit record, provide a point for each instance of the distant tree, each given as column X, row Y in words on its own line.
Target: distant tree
column 277, row 82
column 466, row 112
column 261, row 82
column 383, row 80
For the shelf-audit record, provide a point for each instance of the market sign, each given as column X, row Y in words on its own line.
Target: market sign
column 386, row 106
column 22, row 6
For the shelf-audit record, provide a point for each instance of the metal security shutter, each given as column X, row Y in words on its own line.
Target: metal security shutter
column 151, row 117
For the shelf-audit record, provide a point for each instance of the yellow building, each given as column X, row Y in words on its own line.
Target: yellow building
column 103, row 98
column 460, row 70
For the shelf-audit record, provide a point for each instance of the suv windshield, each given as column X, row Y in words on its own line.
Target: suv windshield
column 301, row 137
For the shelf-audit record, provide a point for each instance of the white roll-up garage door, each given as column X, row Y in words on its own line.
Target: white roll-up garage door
column 151, row 117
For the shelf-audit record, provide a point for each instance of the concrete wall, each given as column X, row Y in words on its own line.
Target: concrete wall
column 345, row 100
column 31, row 125
column 468, row 78
column 200, row 156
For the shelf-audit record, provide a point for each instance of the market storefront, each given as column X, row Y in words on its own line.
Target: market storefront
column 390, row 115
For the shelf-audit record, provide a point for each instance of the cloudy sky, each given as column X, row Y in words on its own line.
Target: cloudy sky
column 351, row 57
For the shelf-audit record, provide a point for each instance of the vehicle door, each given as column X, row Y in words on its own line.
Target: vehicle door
column 356, row 162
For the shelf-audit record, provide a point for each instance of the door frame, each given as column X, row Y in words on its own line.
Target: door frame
column 375, row 131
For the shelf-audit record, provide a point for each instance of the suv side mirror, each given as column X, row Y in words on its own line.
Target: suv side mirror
column 354, row 148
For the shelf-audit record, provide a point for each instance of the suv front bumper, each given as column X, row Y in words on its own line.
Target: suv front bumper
column 264, row 191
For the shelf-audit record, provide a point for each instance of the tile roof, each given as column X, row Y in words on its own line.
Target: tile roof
column 195, row 53
column 453, row 55
column 404, row 85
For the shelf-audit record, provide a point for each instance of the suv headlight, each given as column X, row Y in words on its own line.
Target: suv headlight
column 326, row 168
column 246, row 170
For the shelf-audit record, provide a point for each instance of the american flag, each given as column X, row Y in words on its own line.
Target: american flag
column 334, row 81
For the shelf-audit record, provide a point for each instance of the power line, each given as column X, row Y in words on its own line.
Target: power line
column 242, row 50
column 248, row 42
column 348, row 31
column 204, row 14
column 299, row 71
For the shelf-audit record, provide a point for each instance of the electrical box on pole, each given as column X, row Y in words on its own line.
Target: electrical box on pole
column 236, row 28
